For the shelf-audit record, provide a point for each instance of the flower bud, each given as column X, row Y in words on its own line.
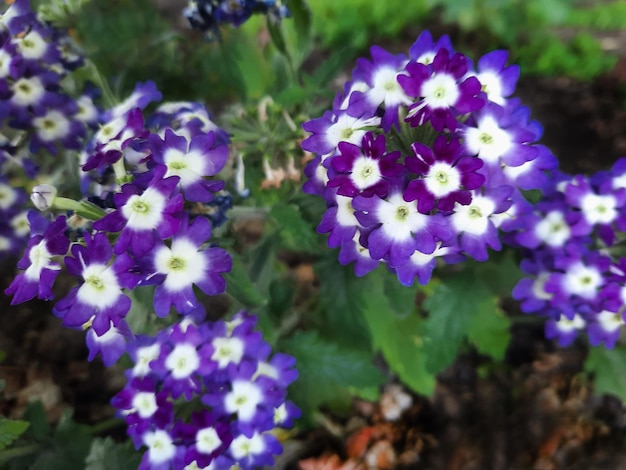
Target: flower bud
column 43, row 196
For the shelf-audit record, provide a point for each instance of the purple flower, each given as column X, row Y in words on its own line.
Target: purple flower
column 339, row 220
column 424, row 49
column 331, row 129
column 142, row 214
column 364, row 170
column 111, row 344
column 398, row 228
column 441, row 91
column 99, row 299
column 443, row 178
column 40, row 271
column 564, row 329
column 380, row 76
column 191, row 161
column 473, row 222
column 184, row 264
column 498, row 81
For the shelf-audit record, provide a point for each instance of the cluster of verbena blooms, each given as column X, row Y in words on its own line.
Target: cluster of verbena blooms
column 38, row 115
column 426, row 159
column 150, row 200
column 209, row 15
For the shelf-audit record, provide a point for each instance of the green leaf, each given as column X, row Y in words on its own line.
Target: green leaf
column 344, row 298
column 399, row 339
column 240, row 287
column 295, row 232
column 401, row 298
column 328, row 372
column 10, row 430
column 490, row 330
column 276, row 34
column 36, row 416
column 105, row 454
column 451, row 308
column 301, row 15
column 607, row 366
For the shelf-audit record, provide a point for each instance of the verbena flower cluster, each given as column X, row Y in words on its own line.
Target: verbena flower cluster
column 146, row 186
column 145, row 220
column 424, row 157
column 37, row 115
column 225, row 365
column 573, row 259
column 209, row 15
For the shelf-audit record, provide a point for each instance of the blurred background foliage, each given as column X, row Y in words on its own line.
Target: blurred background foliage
column 139, row 40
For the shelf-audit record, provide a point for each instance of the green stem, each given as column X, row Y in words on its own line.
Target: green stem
column 105, row 426
column 16, row 452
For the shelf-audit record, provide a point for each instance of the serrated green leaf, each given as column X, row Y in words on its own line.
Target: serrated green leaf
column 490, row 330
column 10, row 430
column 295, row 232
column 399, row 339
column 240, row 287
column 327, row 372
column 105, row 454
column 451, row 308
column 608, row 368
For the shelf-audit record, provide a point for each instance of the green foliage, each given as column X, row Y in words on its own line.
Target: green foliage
column 602, row 16
column 606, row 366
column 10, row 430
column 452, row 307
column 545, row 51
column 400, row 339
column 361, row 22
column 329, row 373
column 295, row 232
column 105, row 454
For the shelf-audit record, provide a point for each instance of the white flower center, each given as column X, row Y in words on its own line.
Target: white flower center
column 27, row 91
column 52, row 126
column 243, row 446
column 442, row 179
column 610, row 321
column 365, row 173
column 145, row 211
column 160, row 446
column 400, row 219
column 145, row 404
column 582, row 280
column 5, row 63
column 188, row 166
column 473, row 218
column 566, row 325
column 243, row 399
column 207, row 440
column 553, row 230
column 492, row 86
column 227, row 350
column 182, row 264
column 32, row 46
column 440, row 91
column 538, row 287
column 349, row 129
column 8, row 196
column 345, row 212
column 599, row 209
column 386, row 88
column 145, row 355
column 40, row 258
column 100, row 288
column 488, row 140
column 183, row 361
